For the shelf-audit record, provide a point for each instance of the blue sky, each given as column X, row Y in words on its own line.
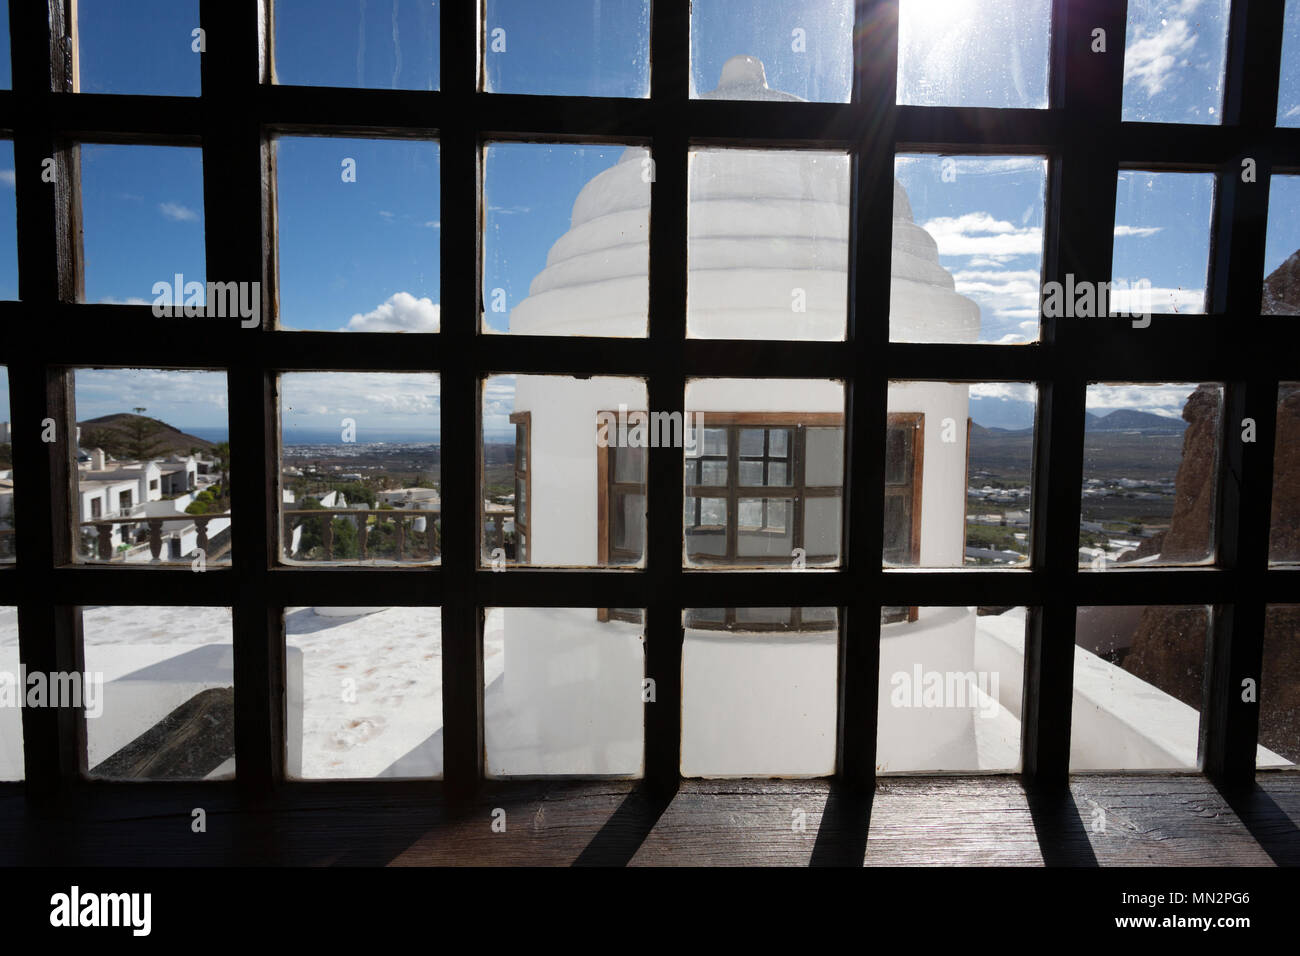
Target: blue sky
column 365, row 254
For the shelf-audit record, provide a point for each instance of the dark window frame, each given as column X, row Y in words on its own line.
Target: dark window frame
column 238, row 114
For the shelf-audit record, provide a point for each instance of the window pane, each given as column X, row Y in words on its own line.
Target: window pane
column 974, row 52
column 562, row 693
column 1138, row 673
column 1162, row 245
column 11, row 718
column 1288, row 99
column 824, row 456
column 1284, row 535
column 576, row 48
column 968, row 248
column 360, row 468
column 354, row 44
column 8, row 219
column 1282, row 250
column 951, row 690
column 153, row 467
column 566, row 239
column 958, row 474
column 585, row 500
column 767, row 248
column 6, row 73
column 164, row 679
column 822, row 526
column 1279, row 690
column 764, row 427
column 788, row 729
column 764, row 528
column 146, row 46
column 7, row 543
column 142, row 225
column 1173, row 61
column 383, row 195
column 1150, row 475
column 772, row 49
column 363, row 692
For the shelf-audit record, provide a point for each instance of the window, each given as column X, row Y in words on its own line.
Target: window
column 805, row 508
column 523, row 488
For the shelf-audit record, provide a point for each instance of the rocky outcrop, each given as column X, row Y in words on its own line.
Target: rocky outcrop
column 1284, row 540
column 1190, row 538
column 1282, row 288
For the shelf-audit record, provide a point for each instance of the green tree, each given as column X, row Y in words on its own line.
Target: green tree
column 140, row 437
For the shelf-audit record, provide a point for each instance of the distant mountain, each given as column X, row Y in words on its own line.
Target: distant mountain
column 993, row 412
column 128, row 436
column 1131, row 420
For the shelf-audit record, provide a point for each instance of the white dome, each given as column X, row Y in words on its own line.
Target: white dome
column 761, row 225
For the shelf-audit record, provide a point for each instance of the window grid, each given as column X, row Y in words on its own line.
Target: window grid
column 237, row 116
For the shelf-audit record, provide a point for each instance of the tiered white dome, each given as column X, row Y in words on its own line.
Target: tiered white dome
column 762, row 224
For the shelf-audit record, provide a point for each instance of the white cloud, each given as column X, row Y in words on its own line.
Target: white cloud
column 402, row 312
column 129, row 300
column 1004, row 391
column 433, row 224
column 177, row 213
column 1139, row 231
column 376, row 400
column 1150, row 60
column 980, row 234
column 1165, row 399
column 8, row 177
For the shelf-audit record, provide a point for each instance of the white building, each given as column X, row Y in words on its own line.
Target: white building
column 761, row 224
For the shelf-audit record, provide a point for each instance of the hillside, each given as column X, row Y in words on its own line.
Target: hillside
column 1132, row 420
column 128, row 436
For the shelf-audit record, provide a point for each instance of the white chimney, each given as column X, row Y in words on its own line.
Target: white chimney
column 97, row 459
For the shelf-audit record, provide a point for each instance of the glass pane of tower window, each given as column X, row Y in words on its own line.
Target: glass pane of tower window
column 142, row 229
column 563, row 692
column 951, row 692
column 974, row 52
column 1138, row 674
column 1150, row 475
column 1174, row 55
column 772, row 50
column 764, row 473
column 153, row 468
column 789, row 729
column 1288, row 94
column 958, row 474
column 575, row 48
column 1162, row 247
column 566, row 239
column 360, row 468
column 576, row 449
column 383, row 196
column 11, row 718
column 158, row 693
column 1281, row 294
column 352, row 43
column 143, row 47
column 967, row 248
column 363, row 692
column 1279, row 688
column 1284, row 526
column 767, row 251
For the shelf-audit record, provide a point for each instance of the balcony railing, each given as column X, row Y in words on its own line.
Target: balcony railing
column 373, row 540
column 103, row 530
column 403, row 543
